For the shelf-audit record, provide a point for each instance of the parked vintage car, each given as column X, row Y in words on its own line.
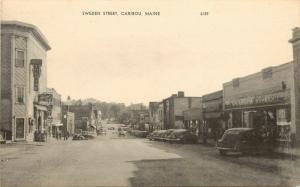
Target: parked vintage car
column 89, row 134
column 159, row 135
column 101, row 132
column 182, row 136
column 121, row 132
column 139, row 133
column 166, row 134
column 243, row 140
column 153, row 135
column 2, row 140
column 79, row 137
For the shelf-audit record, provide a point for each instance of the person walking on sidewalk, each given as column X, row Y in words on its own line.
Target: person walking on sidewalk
column 65, row 135
column 56, row 134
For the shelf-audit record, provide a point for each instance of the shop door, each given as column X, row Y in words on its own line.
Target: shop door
column 250, row 121
column 20, row 128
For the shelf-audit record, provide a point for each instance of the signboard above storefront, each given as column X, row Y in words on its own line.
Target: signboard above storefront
column 45, row 99
column 274, row 98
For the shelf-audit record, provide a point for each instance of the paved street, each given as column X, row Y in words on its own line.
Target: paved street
column 125, row 161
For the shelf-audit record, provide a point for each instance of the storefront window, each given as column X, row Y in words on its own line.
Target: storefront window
column 283, row 125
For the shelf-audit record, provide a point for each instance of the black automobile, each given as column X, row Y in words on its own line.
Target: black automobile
column 152, row 135
column 166, row 134
column 79, row 137
column 182, row 136
column 244, row 140
column 2, row 140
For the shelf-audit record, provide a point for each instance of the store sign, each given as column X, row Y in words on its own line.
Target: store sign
column 49, row 120
column 45, row 99
column 257, row 100
column 36, row 69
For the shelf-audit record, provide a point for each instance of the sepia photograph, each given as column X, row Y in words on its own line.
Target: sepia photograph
column 135, row 93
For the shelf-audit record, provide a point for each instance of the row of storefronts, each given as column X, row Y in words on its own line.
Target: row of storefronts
column 267, row 100
column 262, row 101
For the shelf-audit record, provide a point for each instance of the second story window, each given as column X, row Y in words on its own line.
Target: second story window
column 267, row 73
column 236, row 82
column 20, row 95
column 20, row 58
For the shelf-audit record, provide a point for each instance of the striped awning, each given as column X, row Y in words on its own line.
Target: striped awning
column 40, row 107
column 57, row 124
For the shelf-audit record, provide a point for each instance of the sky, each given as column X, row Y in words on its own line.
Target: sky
column 138, row 59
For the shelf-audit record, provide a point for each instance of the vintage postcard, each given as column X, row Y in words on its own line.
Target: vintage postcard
column 149, row 93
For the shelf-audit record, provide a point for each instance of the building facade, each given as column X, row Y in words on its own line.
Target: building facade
column 212, row 106
column 174, row 107
column 193, row 120
column 86, row 116
column 262, row 100
column 161, row 125
column 23, row 77
column 144, row 121
column 68, row 120
column 295, row 97
column 154, row 122
column 52, row 100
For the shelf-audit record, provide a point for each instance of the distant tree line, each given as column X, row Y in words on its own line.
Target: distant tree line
column 109, row 110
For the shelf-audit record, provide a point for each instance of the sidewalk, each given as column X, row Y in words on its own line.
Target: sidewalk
column 293, row 152
column 50, row 140
column 209, row 142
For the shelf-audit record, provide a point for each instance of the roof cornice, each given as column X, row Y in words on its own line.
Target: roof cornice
column 35, row 31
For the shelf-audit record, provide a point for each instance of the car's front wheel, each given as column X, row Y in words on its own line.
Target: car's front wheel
column 222, row 152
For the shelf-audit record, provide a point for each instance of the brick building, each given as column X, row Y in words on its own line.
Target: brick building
column 174, row 107
column 161, row 116
column 154, row 115
column 262, row 100
column 86, row 116
column 212, row 105
column 23, row 77
column 193, row 119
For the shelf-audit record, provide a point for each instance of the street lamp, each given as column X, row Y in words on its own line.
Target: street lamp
column 68, row 105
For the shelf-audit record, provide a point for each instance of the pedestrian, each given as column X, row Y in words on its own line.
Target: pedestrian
column 56, row 134
column 59, row 134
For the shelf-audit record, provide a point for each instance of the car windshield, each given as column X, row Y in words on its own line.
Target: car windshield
column 180, row 132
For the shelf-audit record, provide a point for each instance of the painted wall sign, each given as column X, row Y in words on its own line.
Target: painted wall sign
column 274, row 98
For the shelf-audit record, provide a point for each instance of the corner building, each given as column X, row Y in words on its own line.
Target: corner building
column 23, row 77
column 262, row 100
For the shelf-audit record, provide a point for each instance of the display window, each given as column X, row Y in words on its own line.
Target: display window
column 283, row 125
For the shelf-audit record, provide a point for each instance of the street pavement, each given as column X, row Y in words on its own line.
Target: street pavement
column 127, row 161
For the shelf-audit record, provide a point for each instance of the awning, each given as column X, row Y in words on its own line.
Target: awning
column 40, row 107
column 211, row 115
column 93, row 126
column 57, row 124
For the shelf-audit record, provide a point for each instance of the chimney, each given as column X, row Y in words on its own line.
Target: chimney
column 180, row 94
